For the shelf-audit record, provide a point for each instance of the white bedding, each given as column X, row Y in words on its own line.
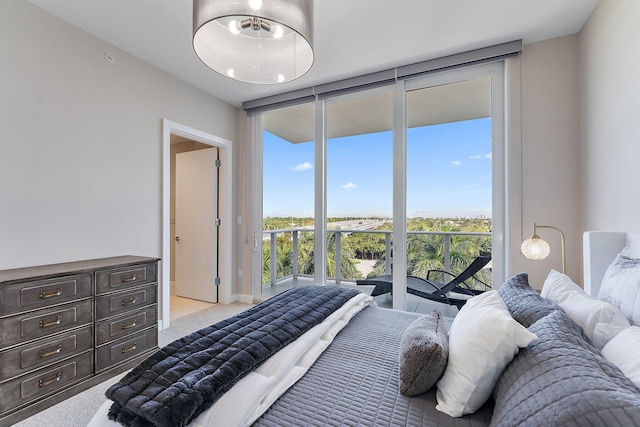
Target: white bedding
column 600, row 248
column 604, row 276
column 254, row 394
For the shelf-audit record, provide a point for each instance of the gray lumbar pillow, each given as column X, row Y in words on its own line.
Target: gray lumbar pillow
column 424, row 351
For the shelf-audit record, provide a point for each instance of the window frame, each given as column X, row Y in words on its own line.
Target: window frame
column 399, row 88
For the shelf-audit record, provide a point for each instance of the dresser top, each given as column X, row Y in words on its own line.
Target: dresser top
column 66, row 268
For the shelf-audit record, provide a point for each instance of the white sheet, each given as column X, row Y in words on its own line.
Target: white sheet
column 252, row 395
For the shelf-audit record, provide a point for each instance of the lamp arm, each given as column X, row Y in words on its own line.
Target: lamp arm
column 564, row 258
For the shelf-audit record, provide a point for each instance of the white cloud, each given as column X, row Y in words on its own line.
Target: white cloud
column 349, row 186
column 302, row 167
column 479, row 156
column 456, row 163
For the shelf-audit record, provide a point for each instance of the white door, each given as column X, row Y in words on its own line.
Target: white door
column 196, row 201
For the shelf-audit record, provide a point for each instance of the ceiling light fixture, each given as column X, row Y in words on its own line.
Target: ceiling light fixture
column 252, row 41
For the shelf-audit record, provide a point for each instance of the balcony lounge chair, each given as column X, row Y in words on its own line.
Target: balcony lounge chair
column 455, row 292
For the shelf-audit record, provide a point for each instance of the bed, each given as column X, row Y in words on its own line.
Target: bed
column 510, row 357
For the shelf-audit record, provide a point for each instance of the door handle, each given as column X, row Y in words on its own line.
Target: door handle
column 177, row 238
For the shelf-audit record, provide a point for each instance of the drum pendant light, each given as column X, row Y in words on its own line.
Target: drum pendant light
column 255, row 41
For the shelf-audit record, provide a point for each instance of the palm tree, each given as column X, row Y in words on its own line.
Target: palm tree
column 306, row 264
column 424, row 253
column 283, row 256
column 348, row 269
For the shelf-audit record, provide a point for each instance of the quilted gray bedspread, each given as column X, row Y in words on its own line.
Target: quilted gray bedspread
column 184, row 378
column 355, row 383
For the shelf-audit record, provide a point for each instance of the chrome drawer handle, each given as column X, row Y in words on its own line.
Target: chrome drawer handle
column 44, row 324
column 126, row 279
column 131, row 300
column 129, row 326
column 49, row 294
column 44, row 383
column 57, row 350
column 128, row 349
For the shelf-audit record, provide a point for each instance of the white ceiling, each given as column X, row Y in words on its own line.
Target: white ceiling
column 351, row 37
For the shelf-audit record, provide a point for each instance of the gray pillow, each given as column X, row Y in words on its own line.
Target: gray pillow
column 562, row 380
column 523, row 302
column 424, row 351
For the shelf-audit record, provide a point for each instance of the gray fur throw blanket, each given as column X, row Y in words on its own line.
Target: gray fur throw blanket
column 180, row 381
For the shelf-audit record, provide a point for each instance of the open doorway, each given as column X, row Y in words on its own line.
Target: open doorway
column 188, row 284
column 194, row 239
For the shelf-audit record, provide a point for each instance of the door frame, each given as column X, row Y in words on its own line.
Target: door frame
column 226, row 203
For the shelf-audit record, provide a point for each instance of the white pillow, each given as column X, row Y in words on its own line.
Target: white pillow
column 623, row 351
column 483, row 339
column 621, row 286
column 600, row 320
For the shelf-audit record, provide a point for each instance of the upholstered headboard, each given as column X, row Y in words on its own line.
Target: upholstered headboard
column 599, row 249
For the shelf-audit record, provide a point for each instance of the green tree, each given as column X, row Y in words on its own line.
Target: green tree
column 424, row 251
column 348, row 269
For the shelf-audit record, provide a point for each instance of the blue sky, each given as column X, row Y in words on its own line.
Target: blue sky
column 448, row 173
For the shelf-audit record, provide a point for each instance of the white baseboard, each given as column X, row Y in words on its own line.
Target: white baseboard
column 246, row 299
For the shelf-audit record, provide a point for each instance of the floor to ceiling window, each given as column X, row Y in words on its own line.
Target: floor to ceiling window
column 287, row 199
column 342, row 182
column 359, row 160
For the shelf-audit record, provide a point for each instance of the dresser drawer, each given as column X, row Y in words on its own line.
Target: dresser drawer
column 58, row 321
column 41, row 323
column 125, row 348
column 122, row 302
column 20, row 360
column 40, row 383
column 133, row 275
column 124, row 325
column 24, row 296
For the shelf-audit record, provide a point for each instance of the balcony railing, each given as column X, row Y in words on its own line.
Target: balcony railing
column 272, row 236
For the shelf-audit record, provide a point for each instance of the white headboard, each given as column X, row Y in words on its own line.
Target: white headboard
column 599, row 249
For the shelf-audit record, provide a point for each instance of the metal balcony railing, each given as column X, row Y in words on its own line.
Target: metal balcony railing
column 272, row 236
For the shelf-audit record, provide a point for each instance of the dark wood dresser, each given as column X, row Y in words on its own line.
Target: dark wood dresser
column 67, row 327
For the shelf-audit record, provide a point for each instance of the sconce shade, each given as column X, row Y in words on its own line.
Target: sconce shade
column 535, row 248
column 255, row 41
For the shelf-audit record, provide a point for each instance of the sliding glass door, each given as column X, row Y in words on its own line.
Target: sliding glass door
column 412, row 172
column 449, row 181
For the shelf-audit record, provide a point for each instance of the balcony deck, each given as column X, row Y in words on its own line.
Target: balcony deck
column 414, row 303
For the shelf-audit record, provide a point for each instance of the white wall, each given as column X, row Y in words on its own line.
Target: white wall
column 609, row 46
column 549, row 193
column 580, row 134
column 81, row 148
